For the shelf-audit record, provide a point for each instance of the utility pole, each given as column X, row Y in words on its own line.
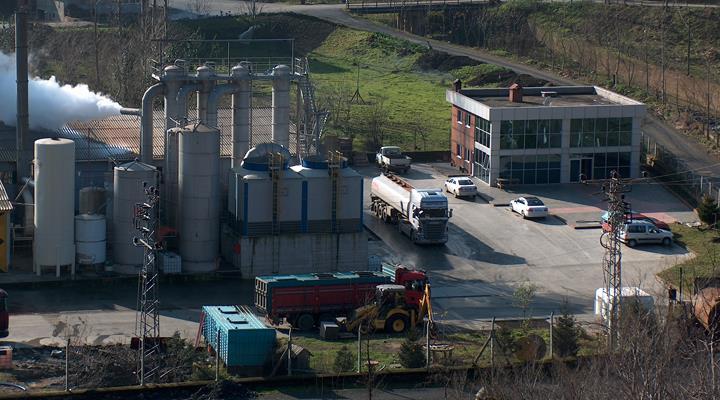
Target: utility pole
column 147, row 324
column 614, row 190
column 357, row 96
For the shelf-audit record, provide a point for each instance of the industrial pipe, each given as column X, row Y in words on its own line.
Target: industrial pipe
column 241, row 124
column 204, row 75
column 211, row 119
column 173, row 77
column 146, row 131
column 182, row 99
column 281, row 105
column 22, row 140
column 131, row 111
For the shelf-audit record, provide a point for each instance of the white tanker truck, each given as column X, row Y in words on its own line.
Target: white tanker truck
column 421, row 214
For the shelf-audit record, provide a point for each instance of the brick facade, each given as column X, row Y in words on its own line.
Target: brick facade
column 464, row 136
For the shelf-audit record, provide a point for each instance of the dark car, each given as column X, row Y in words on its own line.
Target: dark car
column 635, row 216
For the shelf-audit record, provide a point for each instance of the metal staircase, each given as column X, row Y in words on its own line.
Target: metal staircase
column 314, row 118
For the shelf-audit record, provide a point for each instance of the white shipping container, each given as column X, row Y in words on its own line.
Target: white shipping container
column 603, row 302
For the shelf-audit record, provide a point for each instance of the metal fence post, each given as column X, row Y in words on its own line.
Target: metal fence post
column 217, row 356
column 359, row 351
column 552, row 326
column 67, row 363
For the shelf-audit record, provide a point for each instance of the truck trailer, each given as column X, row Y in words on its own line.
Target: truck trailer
column 421, row 214
column 306, row 300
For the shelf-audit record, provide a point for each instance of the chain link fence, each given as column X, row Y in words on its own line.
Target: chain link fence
column 676, row 174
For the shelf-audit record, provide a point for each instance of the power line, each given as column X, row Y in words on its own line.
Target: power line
column 614, row 190
column 147, row 323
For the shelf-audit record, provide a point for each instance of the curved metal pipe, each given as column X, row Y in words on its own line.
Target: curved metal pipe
column 182, row 99
column 212, row 103
column 146, row 130
column 130, row 111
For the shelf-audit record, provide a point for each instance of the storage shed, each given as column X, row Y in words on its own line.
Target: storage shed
column 244, row 340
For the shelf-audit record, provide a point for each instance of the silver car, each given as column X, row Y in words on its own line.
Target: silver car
column 643, row 232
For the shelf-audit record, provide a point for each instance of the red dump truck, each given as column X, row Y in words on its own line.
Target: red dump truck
column 306, row 300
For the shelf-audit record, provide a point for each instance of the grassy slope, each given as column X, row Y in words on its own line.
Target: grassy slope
column 387, row 71
column 705, row 264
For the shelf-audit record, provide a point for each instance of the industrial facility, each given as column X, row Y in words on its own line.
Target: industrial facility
column 236, row 192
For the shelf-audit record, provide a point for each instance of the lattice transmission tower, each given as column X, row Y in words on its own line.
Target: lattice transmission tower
column 614, row 189
column 147, row 322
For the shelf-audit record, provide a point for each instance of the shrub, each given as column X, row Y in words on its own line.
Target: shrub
column 411, row 352
column 344, row 360
column 707, row 210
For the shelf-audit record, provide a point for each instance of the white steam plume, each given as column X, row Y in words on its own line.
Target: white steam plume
column 50, row 104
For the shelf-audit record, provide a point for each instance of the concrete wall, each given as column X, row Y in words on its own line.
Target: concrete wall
column 295, row 253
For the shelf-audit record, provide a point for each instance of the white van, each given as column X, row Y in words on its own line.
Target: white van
column 642, row 232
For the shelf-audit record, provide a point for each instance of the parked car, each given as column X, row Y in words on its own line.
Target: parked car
column 461, row 186
column 390, row 158
column 634, row 216
column 529, row 207
column 644, row 232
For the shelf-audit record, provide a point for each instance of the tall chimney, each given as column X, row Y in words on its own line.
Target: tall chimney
column 516, row 93
column 21, row 66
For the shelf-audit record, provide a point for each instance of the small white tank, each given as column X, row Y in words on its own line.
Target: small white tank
column 54, row 202
column 90, row 239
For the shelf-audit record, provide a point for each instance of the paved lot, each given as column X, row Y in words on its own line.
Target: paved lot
column 491, row 250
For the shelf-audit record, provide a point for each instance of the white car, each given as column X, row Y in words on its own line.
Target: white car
column 461, row 186
column 529, row 207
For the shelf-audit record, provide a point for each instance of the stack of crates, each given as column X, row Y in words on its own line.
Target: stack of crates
column 170, row 263
column 238, row 336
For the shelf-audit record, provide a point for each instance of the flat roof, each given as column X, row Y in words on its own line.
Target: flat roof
column 556, row 96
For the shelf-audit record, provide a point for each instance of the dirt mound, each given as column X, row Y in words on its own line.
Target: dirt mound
column 441, row 61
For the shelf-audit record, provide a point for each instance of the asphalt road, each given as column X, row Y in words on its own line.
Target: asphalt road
column 491, row 251
column 696, row 157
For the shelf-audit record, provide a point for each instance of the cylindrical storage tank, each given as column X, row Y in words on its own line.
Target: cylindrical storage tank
column 199, row 196
column 281, row 106
column 128, row 190
column 54, row 202
column 92, row 200
column 170, row 178
column 90, row 239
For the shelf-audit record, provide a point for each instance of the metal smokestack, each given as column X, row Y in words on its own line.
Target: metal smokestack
column 21, row 64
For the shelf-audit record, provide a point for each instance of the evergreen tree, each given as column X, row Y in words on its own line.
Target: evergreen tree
column 566, row 335
column 707, row 210
column 344, row 360
column 411, row 352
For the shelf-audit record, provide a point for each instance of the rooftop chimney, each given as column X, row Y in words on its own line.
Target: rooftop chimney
column 516, row 93
column 457, row 85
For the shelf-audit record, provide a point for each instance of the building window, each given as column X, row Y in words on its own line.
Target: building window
column 531, row 169
column 604, row 163
column 600, row 132
column 482, row 131
column 531, row 134
column 467, row 154
column 482, row 165
column 459, row 116
column 467, row 119
column 458, row 150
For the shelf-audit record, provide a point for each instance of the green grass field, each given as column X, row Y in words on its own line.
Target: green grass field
column 705, row 245
column 387, row 76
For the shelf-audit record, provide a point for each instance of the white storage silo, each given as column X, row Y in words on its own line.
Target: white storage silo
column 199, row 197
column 128, row 190
column 54, row 204
column 90, row 239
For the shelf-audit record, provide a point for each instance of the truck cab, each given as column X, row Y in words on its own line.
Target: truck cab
column 428, row 216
